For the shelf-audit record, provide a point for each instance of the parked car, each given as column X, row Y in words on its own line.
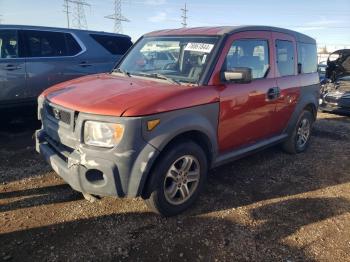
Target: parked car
column 155, row 133
column 34, row 58
column 335, row 91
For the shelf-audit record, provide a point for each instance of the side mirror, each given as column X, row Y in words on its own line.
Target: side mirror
column 237, row 75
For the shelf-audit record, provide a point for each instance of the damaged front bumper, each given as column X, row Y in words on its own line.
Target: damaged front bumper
column 83, row 173
column 120, row 171
column 335, row 103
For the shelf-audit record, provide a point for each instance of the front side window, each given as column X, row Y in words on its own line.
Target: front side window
column 8, row 44
column 182, row 59
column 45, row 44
column 285, row 57
column 250, row 53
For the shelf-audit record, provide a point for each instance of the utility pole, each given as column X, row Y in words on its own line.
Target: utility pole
column 184, row 16
column 79, row 18
column 66, row 10
column 117, row 16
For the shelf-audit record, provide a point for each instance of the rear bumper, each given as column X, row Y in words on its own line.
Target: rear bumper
column 95, row 173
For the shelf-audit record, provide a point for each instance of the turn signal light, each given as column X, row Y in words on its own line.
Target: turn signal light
column 152, row 124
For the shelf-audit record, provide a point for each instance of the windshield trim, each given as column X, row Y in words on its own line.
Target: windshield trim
column 204, row 77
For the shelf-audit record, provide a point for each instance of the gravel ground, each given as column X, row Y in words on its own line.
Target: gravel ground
column 269, row 206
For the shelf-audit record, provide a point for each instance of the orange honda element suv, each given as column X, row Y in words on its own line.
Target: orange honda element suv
column 179, row 103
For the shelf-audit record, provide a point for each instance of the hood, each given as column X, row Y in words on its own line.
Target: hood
column 119, row 95
column 338, row 64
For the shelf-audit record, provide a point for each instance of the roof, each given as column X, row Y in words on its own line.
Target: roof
column 224, row 30
column 56, row 29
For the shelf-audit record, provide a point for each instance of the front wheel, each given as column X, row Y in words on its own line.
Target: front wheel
column 178, row 178
column 299, row 140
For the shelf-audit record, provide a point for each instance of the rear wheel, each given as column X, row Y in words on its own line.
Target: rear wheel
column 299, row 140
column 177, row 179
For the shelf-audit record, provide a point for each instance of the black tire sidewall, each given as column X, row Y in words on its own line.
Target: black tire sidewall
column 175, row 152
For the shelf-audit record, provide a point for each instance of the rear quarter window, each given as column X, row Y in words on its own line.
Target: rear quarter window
column 116, row 45
column 307, row 58
column 73, row 48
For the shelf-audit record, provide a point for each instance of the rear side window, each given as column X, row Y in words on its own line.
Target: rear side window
column 114, row 44
column 45, row 44
column 249, row 53
column 285, row 57
column 8, row 44
column 307, row 57
column 73, row 48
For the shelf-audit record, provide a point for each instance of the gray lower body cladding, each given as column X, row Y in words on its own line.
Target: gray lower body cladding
column 309, row 96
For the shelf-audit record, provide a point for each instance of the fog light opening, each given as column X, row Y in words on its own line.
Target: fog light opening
column 95, row 176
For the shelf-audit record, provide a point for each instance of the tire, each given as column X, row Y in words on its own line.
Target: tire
column 184, row 163
column 299, row 140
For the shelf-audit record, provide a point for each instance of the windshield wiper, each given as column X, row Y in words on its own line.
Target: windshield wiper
column 161, row 76
column 119, row 70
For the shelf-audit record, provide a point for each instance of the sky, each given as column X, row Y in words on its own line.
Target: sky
column 327, row 21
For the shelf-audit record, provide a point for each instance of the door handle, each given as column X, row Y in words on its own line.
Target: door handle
column 273, row 93
column 85, row 64
column 12, row 67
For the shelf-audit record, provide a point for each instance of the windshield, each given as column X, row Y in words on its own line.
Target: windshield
column 180, row 59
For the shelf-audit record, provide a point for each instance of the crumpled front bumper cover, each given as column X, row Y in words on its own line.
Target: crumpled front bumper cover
column 121, row 177
column 335, row 104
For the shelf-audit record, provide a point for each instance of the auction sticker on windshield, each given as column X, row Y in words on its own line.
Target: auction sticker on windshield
column 199, row 47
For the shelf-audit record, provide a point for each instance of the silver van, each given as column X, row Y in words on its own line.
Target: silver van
column 34, row 58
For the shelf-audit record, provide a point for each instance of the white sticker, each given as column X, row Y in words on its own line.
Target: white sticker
column 199, row 47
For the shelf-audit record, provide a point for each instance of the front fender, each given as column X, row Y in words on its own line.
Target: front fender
column 203, row 118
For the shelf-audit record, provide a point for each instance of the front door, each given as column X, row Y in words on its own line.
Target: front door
column 245, row 108
column 12, row 68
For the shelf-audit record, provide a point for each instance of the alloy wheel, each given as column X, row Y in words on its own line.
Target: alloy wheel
column 182, row 179
column 303, row 132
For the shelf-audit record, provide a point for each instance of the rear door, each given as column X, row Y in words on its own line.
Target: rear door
column 93, row 53
column 46, row 59
column 287, row 80
column 245, row 110
column 12, row 67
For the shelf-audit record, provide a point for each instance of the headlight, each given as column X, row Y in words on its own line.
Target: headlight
column 102, row 134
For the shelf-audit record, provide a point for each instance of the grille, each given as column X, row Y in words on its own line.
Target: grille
column 59, row 114
column 331, row 99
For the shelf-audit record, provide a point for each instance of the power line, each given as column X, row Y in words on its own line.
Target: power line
column 118, row 17
column 79, row 17
column 184, row 16
column 66, row 10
